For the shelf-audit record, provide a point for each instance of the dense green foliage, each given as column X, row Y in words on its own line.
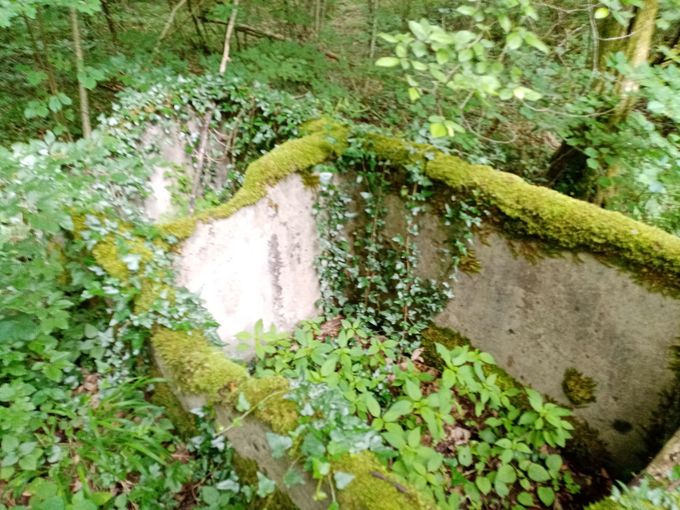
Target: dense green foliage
column 457, row 432
column 582, row 97
column 77, row 428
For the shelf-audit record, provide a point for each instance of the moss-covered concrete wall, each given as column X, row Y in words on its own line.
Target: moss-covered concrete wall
column 601, row 304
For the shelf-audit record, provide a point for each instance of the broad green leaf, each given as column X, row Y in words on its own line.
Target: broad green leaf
column 546, row 495
column 506, row 474
column 537, row 473
column 513, row 40
column 526, row 499
column 532, row 40
column 554, row 463
column 483, row 484
column 398, row 409
column 387, row 62
column 438, row 130
column 372, row 405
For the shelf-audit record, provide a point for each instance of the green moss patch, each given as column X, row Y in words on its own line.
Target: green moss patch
column 546, row 214
column 374, row 487
column 578, row 388
column 197, row 367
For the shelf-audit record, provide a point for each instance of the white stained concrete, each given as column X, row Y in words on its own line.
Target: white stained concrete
column 256, row 264
column 158, row 205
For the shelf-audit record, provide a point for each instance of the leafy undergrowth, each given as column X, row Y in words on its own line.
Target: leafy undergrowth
column 464, row 432
column 77, row 429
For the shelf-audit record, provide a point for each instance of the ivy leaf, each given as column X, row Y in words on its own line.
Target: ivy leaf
column 292, row 477
column 265, row 486
column 342, row 479
column 278, row 444
column 242, row 404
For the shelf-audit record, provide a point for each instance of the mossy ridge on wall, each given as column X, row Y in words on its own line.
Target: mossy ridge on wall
column 325, row 140
column 547, row 214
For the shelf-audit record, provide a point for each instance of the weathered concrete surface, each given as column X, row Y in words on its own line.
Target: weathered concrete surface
column 171, row 150
column 256, row 264
column 538, row 319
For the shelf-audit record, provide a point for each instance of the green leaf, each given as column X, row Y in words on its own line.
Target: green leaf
column 372, row 405
column 506, row 474
column 413, row 438
column 84, row 504
column 387, row 62
column 413, row 94
column 537, row 473
column 265, row 486
column 546, row 495
column 601, row 13
column 532, row 40
column 292, row 477
column 526, row 499
column 513, row 40
column 242, row 403
column 554, row 463
column 438, row 130
column 398, row 409
column 54, row 103
column 328, row 366
column 483, row 484
column 412, row 390
column 464, row 456
column 342, row 479
column 278, row 444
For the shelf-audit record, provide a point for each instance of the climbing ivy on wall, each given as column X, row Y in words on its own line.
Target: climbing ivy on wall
column 366, row 270
column 247, row 120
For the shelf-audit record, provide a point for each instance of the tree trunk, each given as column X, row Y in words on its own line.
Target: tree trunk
column 80, row 67
column 197, row 27
column 227, row 37
column 109, row 21
column 568, row 170
column 44, row 64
